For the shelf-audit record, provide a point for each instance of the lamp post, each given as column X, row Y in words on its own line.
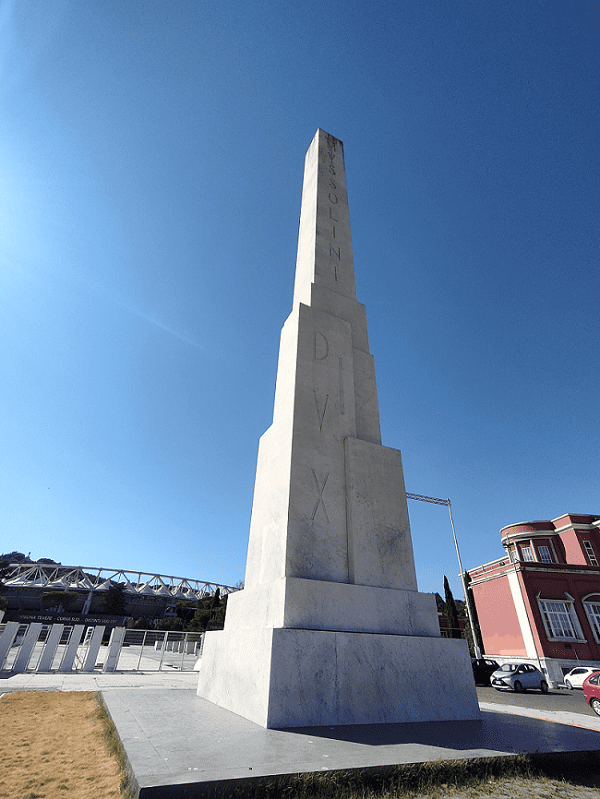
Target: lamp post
column 470, row 615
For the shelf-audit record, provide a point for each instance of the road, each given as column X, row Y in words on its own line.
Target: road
column 556, row 700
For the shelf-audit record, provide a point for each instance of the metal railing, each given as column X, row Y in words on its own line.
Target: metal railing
column 45, row 648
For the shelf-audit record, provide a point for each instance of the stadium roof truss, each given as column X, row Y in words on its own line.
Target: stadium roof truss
column 92, row 578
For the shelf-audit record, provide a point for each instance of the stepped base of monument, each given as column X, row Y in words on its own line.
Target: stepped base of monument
column 281, row 677
column 297, row 603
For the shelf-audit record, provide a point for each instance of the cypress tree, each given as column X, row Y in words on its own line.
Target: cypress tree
column 451, row 612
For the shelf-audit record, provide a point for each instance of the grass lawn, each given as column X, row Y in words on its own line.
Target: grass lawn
column 490, row 779
column 56, row 744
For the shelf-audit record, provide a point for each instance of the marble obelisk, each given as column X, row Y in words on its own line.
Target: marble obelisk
column 330, row 628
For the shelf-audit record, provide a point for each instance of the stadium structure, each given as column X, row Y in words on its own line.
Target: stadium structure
column 33, row 588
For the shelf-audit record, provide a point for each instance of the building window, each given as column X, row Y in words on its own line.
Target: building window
column 592, row 610
column 526, row 553
column 544, row 554
column 559, row 618
column 589, row 551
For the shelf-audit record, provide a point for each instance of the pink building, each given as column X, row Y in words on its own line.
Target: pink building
column 541, row 601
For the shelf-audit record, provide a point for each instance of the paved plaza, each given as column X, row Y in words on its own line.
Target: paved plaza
column 98, row 681
column 172, row 737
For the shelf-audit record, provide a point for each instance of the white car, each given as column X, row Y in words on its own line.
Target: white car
column 518, row 677
column 575, row 677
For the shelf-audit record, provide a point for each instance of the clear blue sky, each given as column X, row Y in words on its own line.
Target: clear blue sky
column 151, row 158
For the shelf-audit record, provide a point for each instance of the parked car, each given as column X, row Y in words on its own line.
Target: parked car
column 575, row 677
column 483, row 668
column 591, row 691
column 518, row 677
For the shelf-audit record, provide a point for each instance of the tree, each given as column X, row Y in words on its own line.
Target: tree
column 475, row 619
column 15, row 557
column 217, row 621
column 170, row 624
column 209, row 614
column 185, row 610
column 114, row 601
column 59, row 599
column 201, row 619
column 451, row 612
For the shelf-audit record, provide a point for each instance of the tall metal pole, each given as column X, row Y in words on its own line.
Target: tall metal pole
column 464, row 585
column 470, row 615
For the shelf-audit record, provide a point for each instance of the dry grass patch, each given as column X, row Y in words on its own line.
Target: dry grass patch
column 57, row 744
column 495, row 778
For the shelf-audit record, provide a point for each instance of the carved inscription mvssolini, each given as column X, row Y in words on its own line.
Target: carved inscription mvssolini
column 335, row 253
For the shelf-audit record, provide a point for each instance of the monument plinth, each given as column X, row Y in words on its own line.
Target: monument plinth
column 330, row 628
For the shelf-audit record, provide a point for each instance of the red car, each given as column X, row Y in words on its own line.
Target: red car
column 591, row 691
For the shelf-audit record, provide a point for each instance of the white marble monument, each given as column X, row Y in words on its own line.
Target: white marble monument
column 330, row 628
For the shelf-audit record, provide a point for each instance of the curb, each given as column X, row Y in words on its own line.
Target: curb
column 558, row 716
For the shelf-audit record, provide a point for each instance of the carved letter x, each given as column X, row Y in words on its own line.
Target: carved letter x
column 320, row 501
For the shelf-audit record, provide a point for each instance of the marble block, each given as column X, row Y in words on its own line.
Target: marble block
column 341, row 607
column 282, row 678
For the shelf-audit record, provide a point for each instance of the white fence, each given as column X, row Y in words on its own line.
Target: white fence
column 42, row 648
